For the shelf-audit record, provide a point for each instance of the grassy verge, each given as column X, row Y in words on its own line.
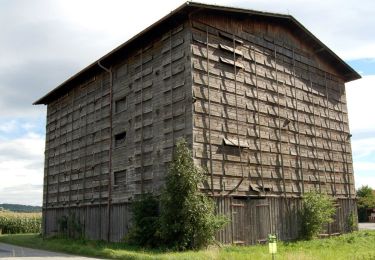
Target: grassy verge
column 358, row 245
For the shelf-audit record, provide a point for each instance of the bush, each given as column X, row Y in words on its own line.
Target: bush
column 12, row 222
column 188, row 219
column 145, row 229
column 317, row 210
column 70, row 226
column 366, row 200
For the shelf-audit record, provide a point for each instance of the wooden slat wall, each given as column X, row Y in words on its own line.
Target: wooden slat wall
column 258, row 89
column 252, row 219
column 151, row 102
column 285, row 116
column 155, row 83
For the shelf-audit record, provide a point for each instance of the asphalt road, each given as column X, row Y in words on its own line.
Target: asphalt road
column 16, row 252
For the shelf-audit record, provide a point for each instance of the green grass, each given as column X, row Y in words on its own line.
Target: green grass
column 357, row 245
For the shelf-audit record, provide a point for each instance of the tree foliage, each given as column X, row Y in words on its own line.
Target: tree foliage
column 317, row 210
column 366, row 200
column 146, row 227
column 188, row 219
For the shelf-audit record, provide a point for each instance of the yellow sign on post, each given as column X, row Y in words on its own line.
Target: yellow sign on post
column 272, row 246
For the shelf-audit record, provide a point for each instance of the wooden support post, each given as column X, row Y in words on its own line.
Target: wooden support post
column 344, row 139
column 171, row 87
column 315, row 150
column 258, row 120
column 209, row 113
column 330, row 137
column 298, row 126
column 142, row 174
column 59, row 149
column 85, row 149
column 237, row 124
column 279, row 138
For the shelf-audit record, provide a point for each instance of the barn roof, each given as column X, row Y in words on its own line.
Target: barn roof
column 179, row 14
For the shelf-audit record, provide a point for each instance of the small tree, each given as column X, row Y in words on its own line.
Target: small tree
column 188, row 219
column 317, row 210
column 145, row 229
column 366, row 200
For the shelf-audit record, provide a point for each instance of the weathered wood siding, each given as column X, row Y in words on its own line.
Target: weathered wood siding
column 269, row 117
column 252, row 219
column 265, row 115
column 151, row 108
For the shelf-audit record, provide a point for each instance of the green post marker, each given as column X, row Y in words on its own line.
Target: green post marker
column 272, row 246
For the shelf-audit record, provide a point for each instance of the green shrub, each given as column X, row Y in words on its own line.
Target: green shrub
column 366, row 200
column 317, row 210
column 12, row 222
column 145, row 229
column 188, row 219
column 352, row 223
column 70, row 226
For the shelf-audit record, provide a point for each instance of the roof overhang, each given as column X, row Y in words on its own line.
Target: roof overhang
column 181, row 13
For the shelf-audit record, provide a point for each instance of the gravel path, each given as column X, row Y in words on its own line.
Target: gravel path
column 366, row 226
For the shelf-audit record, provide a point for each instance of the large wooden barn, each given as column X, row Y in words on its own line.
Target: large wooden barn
column 260, row 100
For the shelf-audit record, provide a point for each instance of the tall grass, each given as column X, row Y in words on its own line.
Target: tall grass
column 14, row 222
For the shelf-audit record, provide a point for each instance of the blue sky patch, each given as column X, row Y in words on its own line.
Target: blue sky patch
column 363, row 66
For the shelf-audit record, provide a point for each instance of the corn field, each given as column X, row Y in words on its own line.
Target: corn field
column 14, row 222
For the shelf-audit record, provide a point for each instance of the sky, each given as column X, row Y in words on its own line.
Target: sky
column 43, row 42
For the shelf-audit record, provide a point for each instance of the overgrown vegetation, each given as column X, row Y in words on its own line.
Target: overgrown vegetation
column 13, row 222
column 70, row 227
column 317, row 210
column 146, row 224
column 366, row 200
column 356, row 245
column 187, row 217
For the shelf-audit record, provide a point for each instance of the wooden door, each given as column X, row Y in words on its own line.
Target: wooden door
column 263, row 222
column 238, row 221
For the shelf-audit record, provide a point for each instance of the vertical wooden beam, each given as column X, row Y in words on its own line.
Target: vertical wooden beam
column 46, row 174
column 71, row 153
column 298, row 126
column 85, row 149
column 330, row 136
column 258, row 119
column 101, row 160
column 280, row 155
column 142, row 174
column 59, row 149
column 209, row 112
column 236, row 104
column 171, row 87
column 344, row 138
column 315, row 152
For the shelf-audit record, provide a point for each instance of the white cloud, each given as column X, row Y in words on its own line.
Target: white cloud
column 8, row 126
column 26, row 194
column 365, row 166
column 362, row 180
column 363, row 147
column 21, row 165
column 361, row 105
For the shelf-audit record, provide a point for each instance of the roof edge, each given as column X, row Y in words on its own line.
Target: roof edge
column 350, row 76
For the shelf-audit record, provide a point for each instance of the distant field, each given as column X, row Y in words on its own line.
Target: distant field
column 16, row 222
column 358, row 245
